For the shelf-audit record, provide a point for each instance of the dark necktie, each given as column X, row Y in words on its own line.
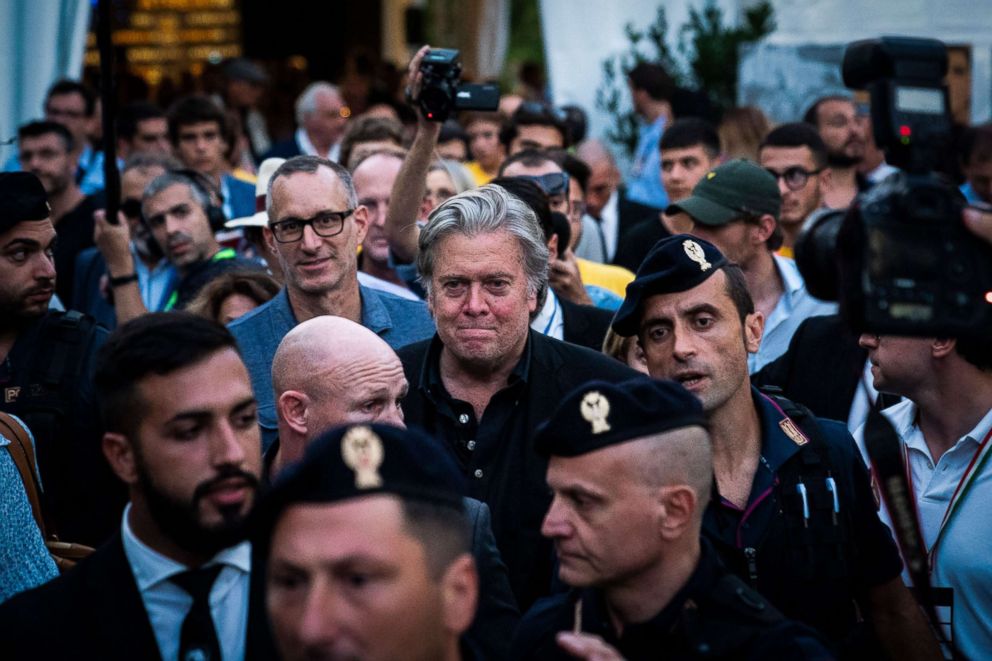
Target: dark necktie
column 198, row 640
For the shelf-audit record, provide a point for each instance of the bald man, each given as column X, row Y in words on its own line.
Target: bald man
column 330, row 371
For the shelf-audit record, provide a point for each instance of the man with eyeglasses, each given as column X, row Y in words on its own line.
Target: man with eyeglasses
column 156, row 275
column 796, row 155
column 843, row 132
column 315, row 227
column 736, row 207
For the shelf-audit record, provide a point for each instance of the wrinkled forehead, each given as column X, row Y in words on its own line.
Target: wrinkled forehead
column 302, row 194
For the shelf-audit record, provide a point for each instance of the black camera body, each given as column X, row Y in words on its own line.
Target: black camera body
column 901, row 259
column 442, row 91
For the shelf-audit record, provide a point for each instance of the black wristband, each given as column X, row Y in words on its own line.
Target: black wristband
column 122, row 280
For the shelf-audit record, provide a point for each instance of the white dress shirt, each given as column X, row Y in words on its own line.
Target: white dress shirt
column 550, row 320
column 167, row 604
column 303, row 140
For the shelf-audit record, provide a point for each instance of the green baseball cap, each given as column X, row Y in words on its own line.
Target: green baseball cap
column 729, row 191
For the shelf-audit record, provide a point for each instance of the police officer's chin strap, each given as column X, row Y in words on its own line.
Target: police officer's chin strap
column 884, row 449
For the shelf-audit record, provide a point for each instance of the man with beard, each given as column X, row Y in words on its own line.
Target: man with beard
column 176, row 581
column 46, row 363
column 843, row 132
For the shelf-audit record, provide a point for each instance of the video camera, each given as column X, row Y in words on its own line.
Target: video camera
column 900, row 259
column 442, row 92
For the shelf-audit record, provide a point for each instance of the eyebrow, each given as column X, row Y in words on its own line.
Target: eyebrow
column 203, row 415
column 27, row 243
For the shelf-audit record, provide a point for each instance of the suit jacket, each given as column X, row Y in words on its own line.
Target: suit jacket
column 585, row 325
column 497, row 615
column 284, row 149
column 96, row 611
column 86, row 297
column 821, row 368
column 242, row 197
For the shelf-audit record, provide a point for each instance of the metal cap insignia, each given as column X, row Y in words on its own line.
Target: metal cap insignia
column 594, row 408
column 362, row 452
column 694, row 251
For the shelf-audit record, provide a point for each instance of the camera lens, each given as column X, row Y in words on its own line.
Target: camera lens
column 816, row 253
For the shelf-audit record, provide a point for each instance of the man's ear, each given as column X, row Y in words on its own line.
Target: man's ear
column 459, row 594
column 119, row 451
column 943, row 346
column 270, row 240
column 553, row 247
column 292, row 408
column 826, row 179
column 765, row 228
column 361, row 219
column 676, row 507
column 754, row 328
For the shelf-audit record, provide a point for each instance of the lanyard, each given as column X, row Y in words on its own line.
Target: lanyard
column 224, row 253
column 964, row 485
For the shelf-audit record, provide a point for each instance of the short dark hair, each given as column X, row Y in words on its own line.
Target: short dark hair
column 531, row 195
column 812, row 114
column 737, row 289
column 68, row 86
column 797, row 134
column 451, row 130
column 976, row 144
column 133, row 114
column 531, row 113
column 653, row 79
column 40, row 128
column 368, row 129
column 195, row 109
column 158, row 343
column 691, row 132
column 259, row 286
column 575, row 168
column 443, row 531
column 531, row 158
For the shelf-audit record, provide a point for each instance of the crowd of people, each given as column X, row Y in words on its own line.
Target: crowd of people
column 401, row 389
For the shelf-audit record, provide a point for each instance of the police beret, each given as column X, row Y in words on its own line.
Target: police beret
column 731, row 191
column 676, row 263
column 358, row 460
column 600, row 414
column 22, row 197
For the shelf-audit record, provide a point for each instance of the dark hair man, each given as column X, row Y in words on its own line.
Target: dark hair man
column 631, row 472
column 487, row 151
column 485, row 380
column 177, row 208
column 142, row 127
column 199, row 132
column 736, row 207
column 46, row 367
column 321, row 117
column 944, row 426
column 315, row 225
column 367, row 550
column 651, row 90
column 690, row 148
column 795, row 155
column 773, row 462
column 534, row 126
column 369, row 134
column 46, row 150
column 976, row 163
column 175, row 582
column 843, row 132
column 359, row 378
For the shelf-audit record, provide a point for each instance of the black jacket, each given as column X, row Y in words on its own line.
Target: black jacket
column 585, row 325
column 504, row 471
column 95, row 611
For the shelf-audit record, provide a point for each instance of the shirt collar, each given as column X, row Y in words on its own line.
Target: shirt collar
column 151, row 568
column 792, row 281
column 375, row 316
column 303, row 140
column 776, row 446
column 430, row 374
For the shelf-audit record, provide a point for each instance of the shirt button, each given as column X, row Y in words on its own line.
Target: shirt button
column 471, row 445
column 478, row 472
column 463, row 418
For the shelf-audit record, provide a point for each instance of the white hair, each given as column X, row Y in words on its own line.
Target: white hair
column 307, row 101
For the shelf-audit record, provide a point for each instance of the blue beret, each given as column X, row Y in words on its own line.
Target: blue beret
column 676, row 263
column 22, row 197
column 600, row 414
column 358, row 460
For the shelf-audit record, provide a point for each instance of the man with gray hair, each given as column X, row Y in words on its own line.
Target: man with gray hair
column 315, row 227
column 359, row 379
column 485, row 380
column 321, row 115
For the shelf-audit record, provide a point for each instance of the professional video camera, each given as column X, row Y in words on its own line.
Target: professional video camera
column 441, row 91
column 900, row 259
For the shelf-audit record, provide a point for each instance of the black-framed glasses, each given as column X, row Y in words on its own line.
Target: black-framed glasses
column 795, row 177
column 325, row 224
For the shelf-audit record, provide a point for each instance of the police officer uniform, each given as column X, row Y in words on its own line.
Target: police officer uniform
column 809, row 538
column 714, row 615
column 46, row 380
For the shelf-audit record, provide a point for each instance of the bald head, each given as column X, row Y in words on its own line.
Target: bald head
column 603, row 175
column 680, row 456
column 330, row 371
column 594, row 152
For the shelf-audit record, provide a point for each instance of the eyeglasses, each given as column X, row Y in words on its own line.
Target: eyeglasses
column 553, row 183
column 325, row 224
column 795, row 177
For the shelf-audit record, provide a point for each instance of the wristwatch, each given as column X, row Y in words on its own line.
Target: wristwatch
column 122, row 280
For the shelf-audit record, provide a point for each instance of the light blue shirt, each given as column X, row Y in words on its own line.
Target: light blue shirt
column 969, row 193
column 793, row 307
column 644, row 182
column 167, row 604
column 396, row 320
column 156, row 283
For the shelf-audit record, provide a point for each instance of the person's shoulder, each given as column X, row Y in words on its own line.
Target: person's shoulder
column 283, row 149
column 540, row 624
column 250, row 322
column 412, row 355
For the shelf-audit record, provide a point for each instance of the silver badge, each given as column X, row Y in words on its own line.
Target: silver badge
column 594, row 409
column 695, row 252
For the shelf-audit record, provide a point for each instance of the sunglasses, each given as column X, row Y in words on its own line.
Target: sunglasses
column 554, row 183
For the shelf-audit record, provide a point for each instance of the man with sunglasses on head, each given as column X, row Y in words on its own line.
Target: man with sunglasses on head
column 796, row 155
column 736, row 207
column 315, row 227
column 156, row 275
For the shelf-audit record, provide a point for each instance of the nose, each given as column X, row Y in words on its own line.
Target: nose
column 868, row 341
column 683, row 344
column 310, row 240
column 782, row 188
column 317, row 625
column 227, row 447
column 475, row 301
column 555, row 524
column 171, row 224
